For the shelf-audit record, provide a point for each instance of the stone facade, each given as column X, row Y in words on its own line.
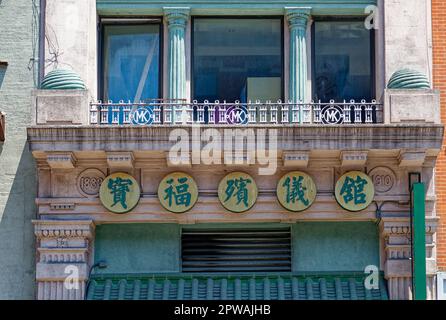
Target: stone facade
column 63, row 247
column 74, row 156
column 64, row 196
column 18, row 75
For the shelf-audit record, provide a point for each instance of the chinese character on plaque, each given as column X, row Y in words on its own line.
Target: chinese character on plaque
column 177, row 192
column 296, row 191
column 354, row 191
column 237, row 192
column 119, row 192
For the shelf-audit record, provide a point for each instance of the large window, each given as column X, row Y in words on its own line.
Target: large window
column 131, row 62
column 237, row 59
column 342, row 61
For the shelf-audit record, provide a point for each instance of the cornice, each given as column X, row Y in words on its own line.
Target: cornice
column 234, row 7
column 308, row 137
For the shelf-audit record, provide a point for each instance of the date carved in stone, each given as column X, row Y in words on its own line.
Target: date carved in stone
column 89, row 182
column 383, row 178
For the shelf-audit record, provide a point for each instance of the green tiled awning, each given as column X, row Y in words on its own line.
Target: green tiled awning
column 233, row 287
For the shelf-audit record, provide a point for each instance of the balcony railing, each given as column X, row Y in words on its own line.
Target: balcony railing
column 223, row 113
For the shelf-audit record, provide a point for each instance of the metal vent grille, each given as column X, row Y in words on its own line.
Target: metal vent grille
column 226, row 250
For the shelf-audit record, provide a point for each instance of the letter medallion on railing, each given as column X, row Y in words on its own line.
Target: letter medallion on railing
column 237, row 115
column 237, row 192
column 142, row 116
column 174, row 111
column 354, row 191
column 178, row 192
column 332, row 114
column 296, row 191
column 119, row 192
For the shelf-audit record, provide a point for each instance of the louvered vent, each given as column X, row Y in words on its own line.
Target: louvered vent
column 237, row 250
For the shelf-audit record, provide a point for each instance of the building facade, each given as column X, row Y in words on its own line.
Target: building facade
column 249, row 150
column 19, row 45
column 438, row 25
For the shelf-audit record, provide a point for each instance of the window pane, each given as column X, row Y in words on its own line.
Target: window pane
column 237, row 59
column 342, row 66
column 131, row 65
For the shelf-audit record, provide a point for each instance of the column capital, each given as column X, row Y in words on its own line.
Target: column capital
column 63, row 229
column 176, row 16
column 297, row 16
column 63, row 247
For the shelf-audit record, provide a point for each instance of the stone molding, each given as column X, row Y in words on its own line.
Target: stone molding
column 120, row 160
column 353, row 158
column 63, row 250
column 396, row 236
column 359, row 137
column 61, row 160
column 412, row 158
column 62, row 228
column 296, row 158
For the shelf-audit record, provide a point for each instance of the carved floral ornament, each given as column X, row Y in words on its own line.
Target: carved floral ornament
column 237, row 191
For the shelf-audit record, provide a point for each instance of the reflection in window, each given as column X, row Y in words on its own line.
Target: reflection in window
column 237, row 59
column 131, row 62
column 342, row 61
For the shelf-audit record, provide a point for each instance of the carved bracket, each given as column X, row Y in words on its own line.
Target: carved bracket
column 296, row 158
column 120, row 160
column 353, row 158
column 61, row 160
column 409, row 158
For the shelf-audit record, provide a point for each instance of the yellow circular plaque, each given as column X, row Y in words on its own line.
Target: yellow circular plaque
column 177, row 192
column 119, row 192
column 354, row 191
column 296, row 191
column 237, row 191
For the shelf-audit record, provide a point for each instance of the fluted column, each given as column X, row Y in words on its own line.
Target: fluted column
column 177, row 19
column 297, row 22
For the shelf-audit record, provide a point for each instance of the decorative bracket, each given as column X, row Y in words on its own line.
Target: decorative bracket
column 411, row 158
column 296, row 158
column 353, row 158
column 61, row 160
column 120, row 160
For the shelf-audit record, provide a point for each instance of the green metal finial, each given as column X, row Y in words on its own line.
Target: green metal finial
column 408, row 79
column 62, row 79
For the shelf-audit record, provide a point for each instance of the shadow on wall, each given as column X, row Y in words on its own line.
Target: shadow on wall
column 2, row 77
column 3, row 66
column 17, row 209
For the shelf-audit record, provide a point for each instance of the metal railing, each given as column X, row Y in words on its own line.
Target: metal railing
column 223, row 113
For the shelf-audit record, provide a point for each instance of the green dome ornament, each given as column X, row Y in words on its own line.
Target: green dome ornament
column 62, row 79
column 408, row 79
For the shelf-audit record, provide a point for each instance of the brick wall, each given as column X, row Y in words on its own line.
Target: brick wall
column 17, row 168
column 439, row 46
